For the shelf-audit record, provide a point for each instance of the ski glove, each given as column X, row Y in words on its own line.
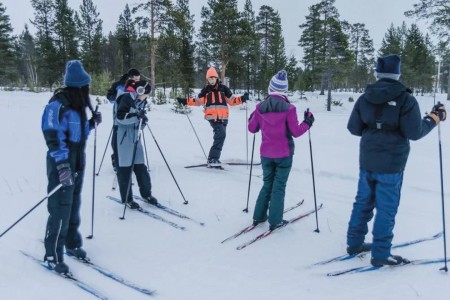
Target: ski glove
column 244, row 97
column 65, row 174
column 182, row 101
column 439, row 111
column 308, row 118
column 96, row 118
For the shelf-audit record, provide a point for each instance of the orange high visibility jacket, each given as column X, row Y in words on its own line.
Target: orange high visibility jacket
column 215, row 100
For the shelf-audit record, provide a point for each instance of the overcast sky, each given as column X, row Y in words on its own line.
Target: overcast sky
column 376, row 14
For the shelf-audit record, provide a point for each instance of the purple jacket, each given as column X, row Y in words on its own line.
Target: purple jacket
column 277, row 119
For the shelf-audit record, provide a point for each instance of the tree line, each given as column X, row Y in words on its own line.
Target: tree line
column 158, row 37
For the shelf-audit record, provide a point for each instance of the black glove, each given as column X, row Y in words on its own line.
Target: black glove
column 65, row 174
column 244, row 97
column 439, row 111
column 141, row 115
column 308, row 118
column 96, row 118
column 182, row 101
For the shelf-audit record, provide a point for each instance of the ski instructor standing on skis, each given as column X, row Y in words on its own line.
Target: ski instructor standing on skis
column 65, row 126
column 386, row 117
column 215, row 97
column 277, row 119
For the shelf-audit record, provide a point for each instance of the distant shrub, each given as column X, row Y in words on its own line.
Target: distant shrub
column 100, row 83
column 350, row 99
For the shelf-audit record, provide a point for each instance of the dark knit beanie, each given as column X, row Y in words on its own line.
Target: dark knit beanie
column 388, row 67
column 133, row 72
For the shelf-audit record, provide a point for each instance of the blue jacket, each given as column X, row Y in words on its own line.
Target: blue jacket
column 61, row 126
column 386, row 117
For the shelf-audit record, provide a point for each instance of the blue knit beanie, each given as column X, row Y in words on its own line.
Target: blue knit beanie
column 279, row 83
column 76, row 75
column 388, row 67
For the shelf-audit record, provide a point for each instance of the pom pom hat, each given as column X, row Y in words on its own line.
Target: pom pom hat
column 279, row 83
column 76, row 75
column 388, row 67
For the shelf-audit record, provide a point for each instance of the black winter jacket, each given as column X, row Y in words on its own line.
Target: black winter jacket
column 390, row 104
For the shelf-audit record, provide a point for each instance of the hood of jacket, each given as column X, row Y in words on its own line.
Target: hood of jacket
column 384, row 90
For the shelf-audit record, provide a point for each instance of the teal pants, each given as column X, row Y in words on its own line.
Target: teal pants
column 271, row 197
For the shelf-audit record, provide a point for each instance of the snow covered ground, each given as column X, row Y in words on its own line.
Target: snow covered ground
column 193, row 265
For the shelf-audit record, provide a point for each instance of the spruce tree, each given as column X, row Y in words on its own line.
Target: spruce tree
column 27, row 58
column 49, row 71
column 126, row 36
column 8, row 69
column 65, row 33
column 311, row 41
column 219, row 34
column 154, row 16
column 438, row 12
column 273, row 57
column 89, row 27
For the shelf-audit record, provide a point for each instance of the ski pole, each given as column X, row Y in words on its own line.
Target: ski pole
column 93, row 177
column 39, row 203
column 192, row 125
column 246, row 130
column 312, row 173
column 132, row 167
column 106, row 147
column 444, row 268
column 167, row 164
column 250, row 177
column 145, row 148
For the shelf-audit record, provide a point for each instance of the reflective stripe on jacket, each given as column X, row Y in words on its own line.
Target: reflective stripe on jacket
column 215, row 100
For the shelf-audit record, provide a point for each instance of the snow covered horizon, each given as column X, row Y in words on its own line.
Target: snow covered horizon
column 193, row 264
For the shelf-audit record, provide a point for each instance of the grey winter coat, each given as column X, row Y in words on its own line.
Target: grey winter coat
column 128, row 134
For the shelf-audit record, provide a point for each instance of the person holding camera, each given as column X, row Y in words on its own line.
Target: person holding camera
column 131, row 118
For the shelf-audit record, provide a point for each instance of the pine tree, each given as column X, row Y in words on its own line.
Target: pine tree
column 44, row 19
column 126, row 36
column 273, row 57
column 89, row 28
column 362, row 47
column 65, row 33
column 250, row 45
column 155, row 19
column 219, row 33
column 184, row 28
column 27, row 58
column 392, row 42
column 311, row 41
column 418, row 64
column 438, row 12
column 8, row 70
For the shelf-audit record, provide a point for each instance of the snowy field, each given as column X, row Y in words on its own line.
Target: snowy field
column 194, row 265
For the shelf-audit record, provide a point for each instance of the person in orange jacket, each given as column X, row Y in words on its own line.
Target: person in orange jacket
column 215, row 98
